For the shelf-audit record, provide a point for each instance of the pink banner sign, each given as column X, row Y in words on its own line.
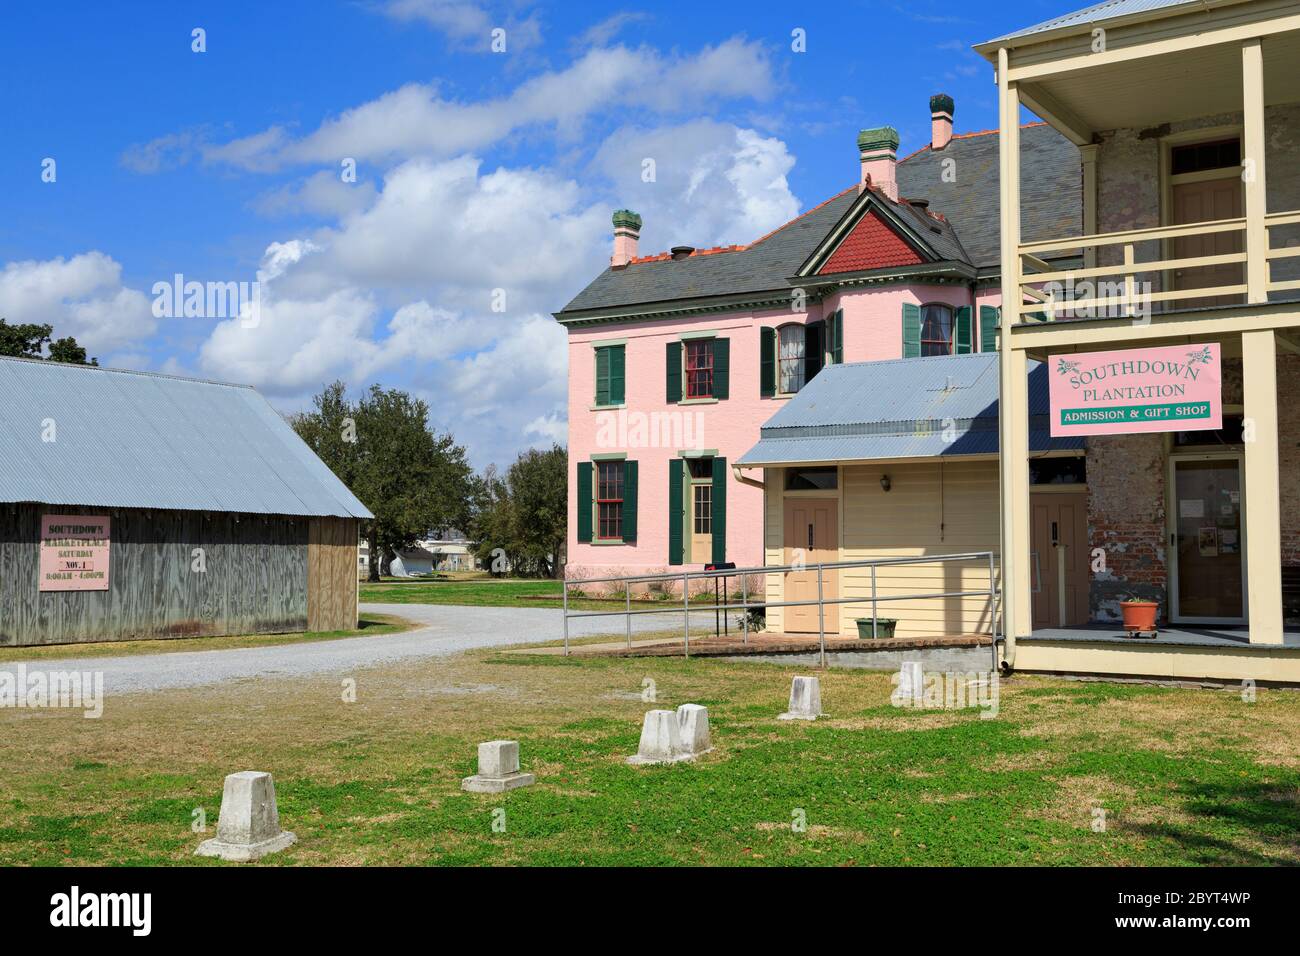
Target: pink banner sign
column 1170, row 389
column 74, row 552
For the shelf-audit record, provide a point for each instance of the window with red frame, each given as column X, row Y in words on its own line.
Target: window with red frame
column 699, row 369
column 609, row 500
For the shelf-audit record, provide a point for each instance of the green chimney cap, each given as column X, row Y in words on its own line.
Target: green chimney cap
column 941, row 103
column 627, row 218
column 875, row 140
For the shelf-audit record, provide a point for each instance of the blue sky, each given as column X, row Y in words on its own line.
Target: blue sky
column 475, row 171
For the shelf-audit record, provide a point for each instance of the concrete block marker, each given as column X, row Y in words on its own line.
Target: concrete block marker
column 693, row 729
column 805, row 699
column 911, row 683
column 661, row 740
column 249, row 825
column 498, row 769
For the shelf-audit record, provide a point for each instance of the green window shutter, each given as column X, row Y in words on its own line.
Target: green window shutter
column 766, row 362
column 989, row 322
column 674, row 360
column 584, row 502
column 617, row 376
column 721, row 368
column 719, row 510
column 676, row 517
column 814, row 348
column 629, row 501
column 963, row 333
column 911, row 330
column 835, row 337
column 602, row 376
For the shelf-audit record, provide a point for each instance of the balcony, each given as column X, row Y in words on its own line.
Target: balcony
column 1154, row 274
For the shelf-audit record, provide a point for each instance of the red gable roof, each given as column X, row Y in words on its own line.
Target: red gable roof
column 871, row 245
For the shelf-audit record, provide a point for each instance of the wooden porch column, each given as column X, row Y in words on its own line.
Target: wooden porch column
column 1088, row 160
column 1262, row 505
column 1013, row 420
column 1253, row 145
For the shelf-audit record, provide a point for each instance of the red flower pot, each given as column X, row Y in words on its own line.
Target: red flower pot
column 1139, row 616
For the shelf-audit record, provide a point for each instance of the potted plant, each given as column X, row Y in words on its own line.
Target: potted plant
column 1139, row 616
column 884, row 627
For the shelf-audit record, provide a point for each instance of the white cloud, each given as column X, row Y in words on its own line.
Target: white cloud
column 715, row 183
column 468, row 24
column 416, row 120
column 82, row 296
column 321, row 194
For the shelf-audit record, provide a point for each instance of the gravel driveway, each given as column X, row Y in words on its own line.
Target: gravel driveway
column 445, row 629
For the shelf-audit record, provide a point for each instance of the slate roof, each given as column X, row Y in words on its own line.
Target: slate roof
column 140, row 440
column 899, row 408
column 1096, row 14
column 764, row 266
column 1051, row 188
column 1052, row 207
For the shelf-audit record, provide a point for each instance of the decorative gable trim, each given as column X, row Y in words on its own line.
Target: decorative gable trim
column 869, row 204
column 870, row 244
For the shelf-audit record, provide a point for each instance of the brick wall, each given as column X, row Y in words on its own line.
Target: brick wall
column 1126, row 519
column 1127, row 497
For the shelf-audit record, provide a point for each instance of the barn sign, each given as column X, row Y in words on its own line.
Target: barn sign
column 74, row 552
column 1167, row 389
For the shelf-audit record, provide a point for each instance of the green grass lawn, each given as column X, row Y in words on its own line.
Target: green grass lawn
column 369, row 625
column 496, row 592
column 1184, row 777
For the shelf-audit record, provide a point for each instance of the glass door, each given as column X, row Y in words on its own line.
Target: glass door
column 1206, row 572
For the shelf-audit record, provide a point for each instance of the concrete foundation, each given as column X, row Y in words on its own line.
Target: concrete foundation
column 249, row 825
column 498, row 769
column 661, row 740
column 805, row 699
column 693, row 728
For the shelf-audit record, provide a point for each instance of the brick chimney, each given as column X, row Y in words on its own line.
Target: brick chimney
column 878, row 149
column 627, row 231
column 941, row 108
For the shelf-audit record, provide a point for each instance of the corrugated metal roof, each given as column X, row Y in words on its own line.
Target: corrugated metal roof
column 140, row 440
column 1097, row 13
column 941, row 406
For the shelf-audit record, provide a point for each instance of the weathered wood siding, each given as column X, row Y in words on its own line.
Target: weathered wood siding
column 332, row 578
column 255, row 579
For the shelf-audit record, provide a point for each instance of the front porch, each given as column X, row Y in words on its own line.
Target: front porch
column 1197, row 654
column 1188, row 252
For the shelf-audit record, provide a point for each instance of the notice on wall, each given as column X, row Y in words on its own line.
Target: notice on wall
column 74, row 552
column 1169, row 389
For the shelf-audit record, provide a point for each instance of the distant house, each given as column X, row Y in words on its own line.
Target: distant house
column 447, row 550
column 135, row 505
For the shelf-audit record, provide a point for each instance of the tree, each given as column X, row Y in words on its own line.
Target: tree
column 29, row 340
column 524, row 516
column 411, row 479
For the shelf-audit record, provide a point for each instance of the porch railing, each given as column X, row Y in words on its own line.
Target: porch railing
column 725, row 604
column 1035, row 273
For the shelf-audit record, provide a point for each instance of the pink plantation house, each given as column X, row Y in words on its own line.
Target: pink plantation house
column 676, row 360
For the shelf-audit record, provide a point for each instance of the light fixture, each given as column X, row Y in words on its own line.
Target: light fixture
column 884, row 483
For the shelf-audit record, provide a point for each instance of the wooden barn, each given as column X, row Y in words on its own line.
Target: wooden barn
column 136, row 505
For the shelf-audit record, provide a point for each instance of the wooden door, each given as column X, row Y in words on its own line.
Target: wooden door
column 1205, row 202
column 1060, row 558
column 811, row 533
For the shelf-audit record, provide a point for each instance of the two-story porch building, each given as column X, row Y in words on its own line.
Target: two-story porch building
column 1187, row 116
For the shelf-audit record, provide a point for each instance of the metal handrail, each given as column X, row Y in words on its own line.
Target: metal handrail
column 991, row 592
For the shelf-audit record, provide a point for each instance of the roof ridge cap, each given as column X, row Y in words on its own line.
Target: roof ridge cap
column 48, row 363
